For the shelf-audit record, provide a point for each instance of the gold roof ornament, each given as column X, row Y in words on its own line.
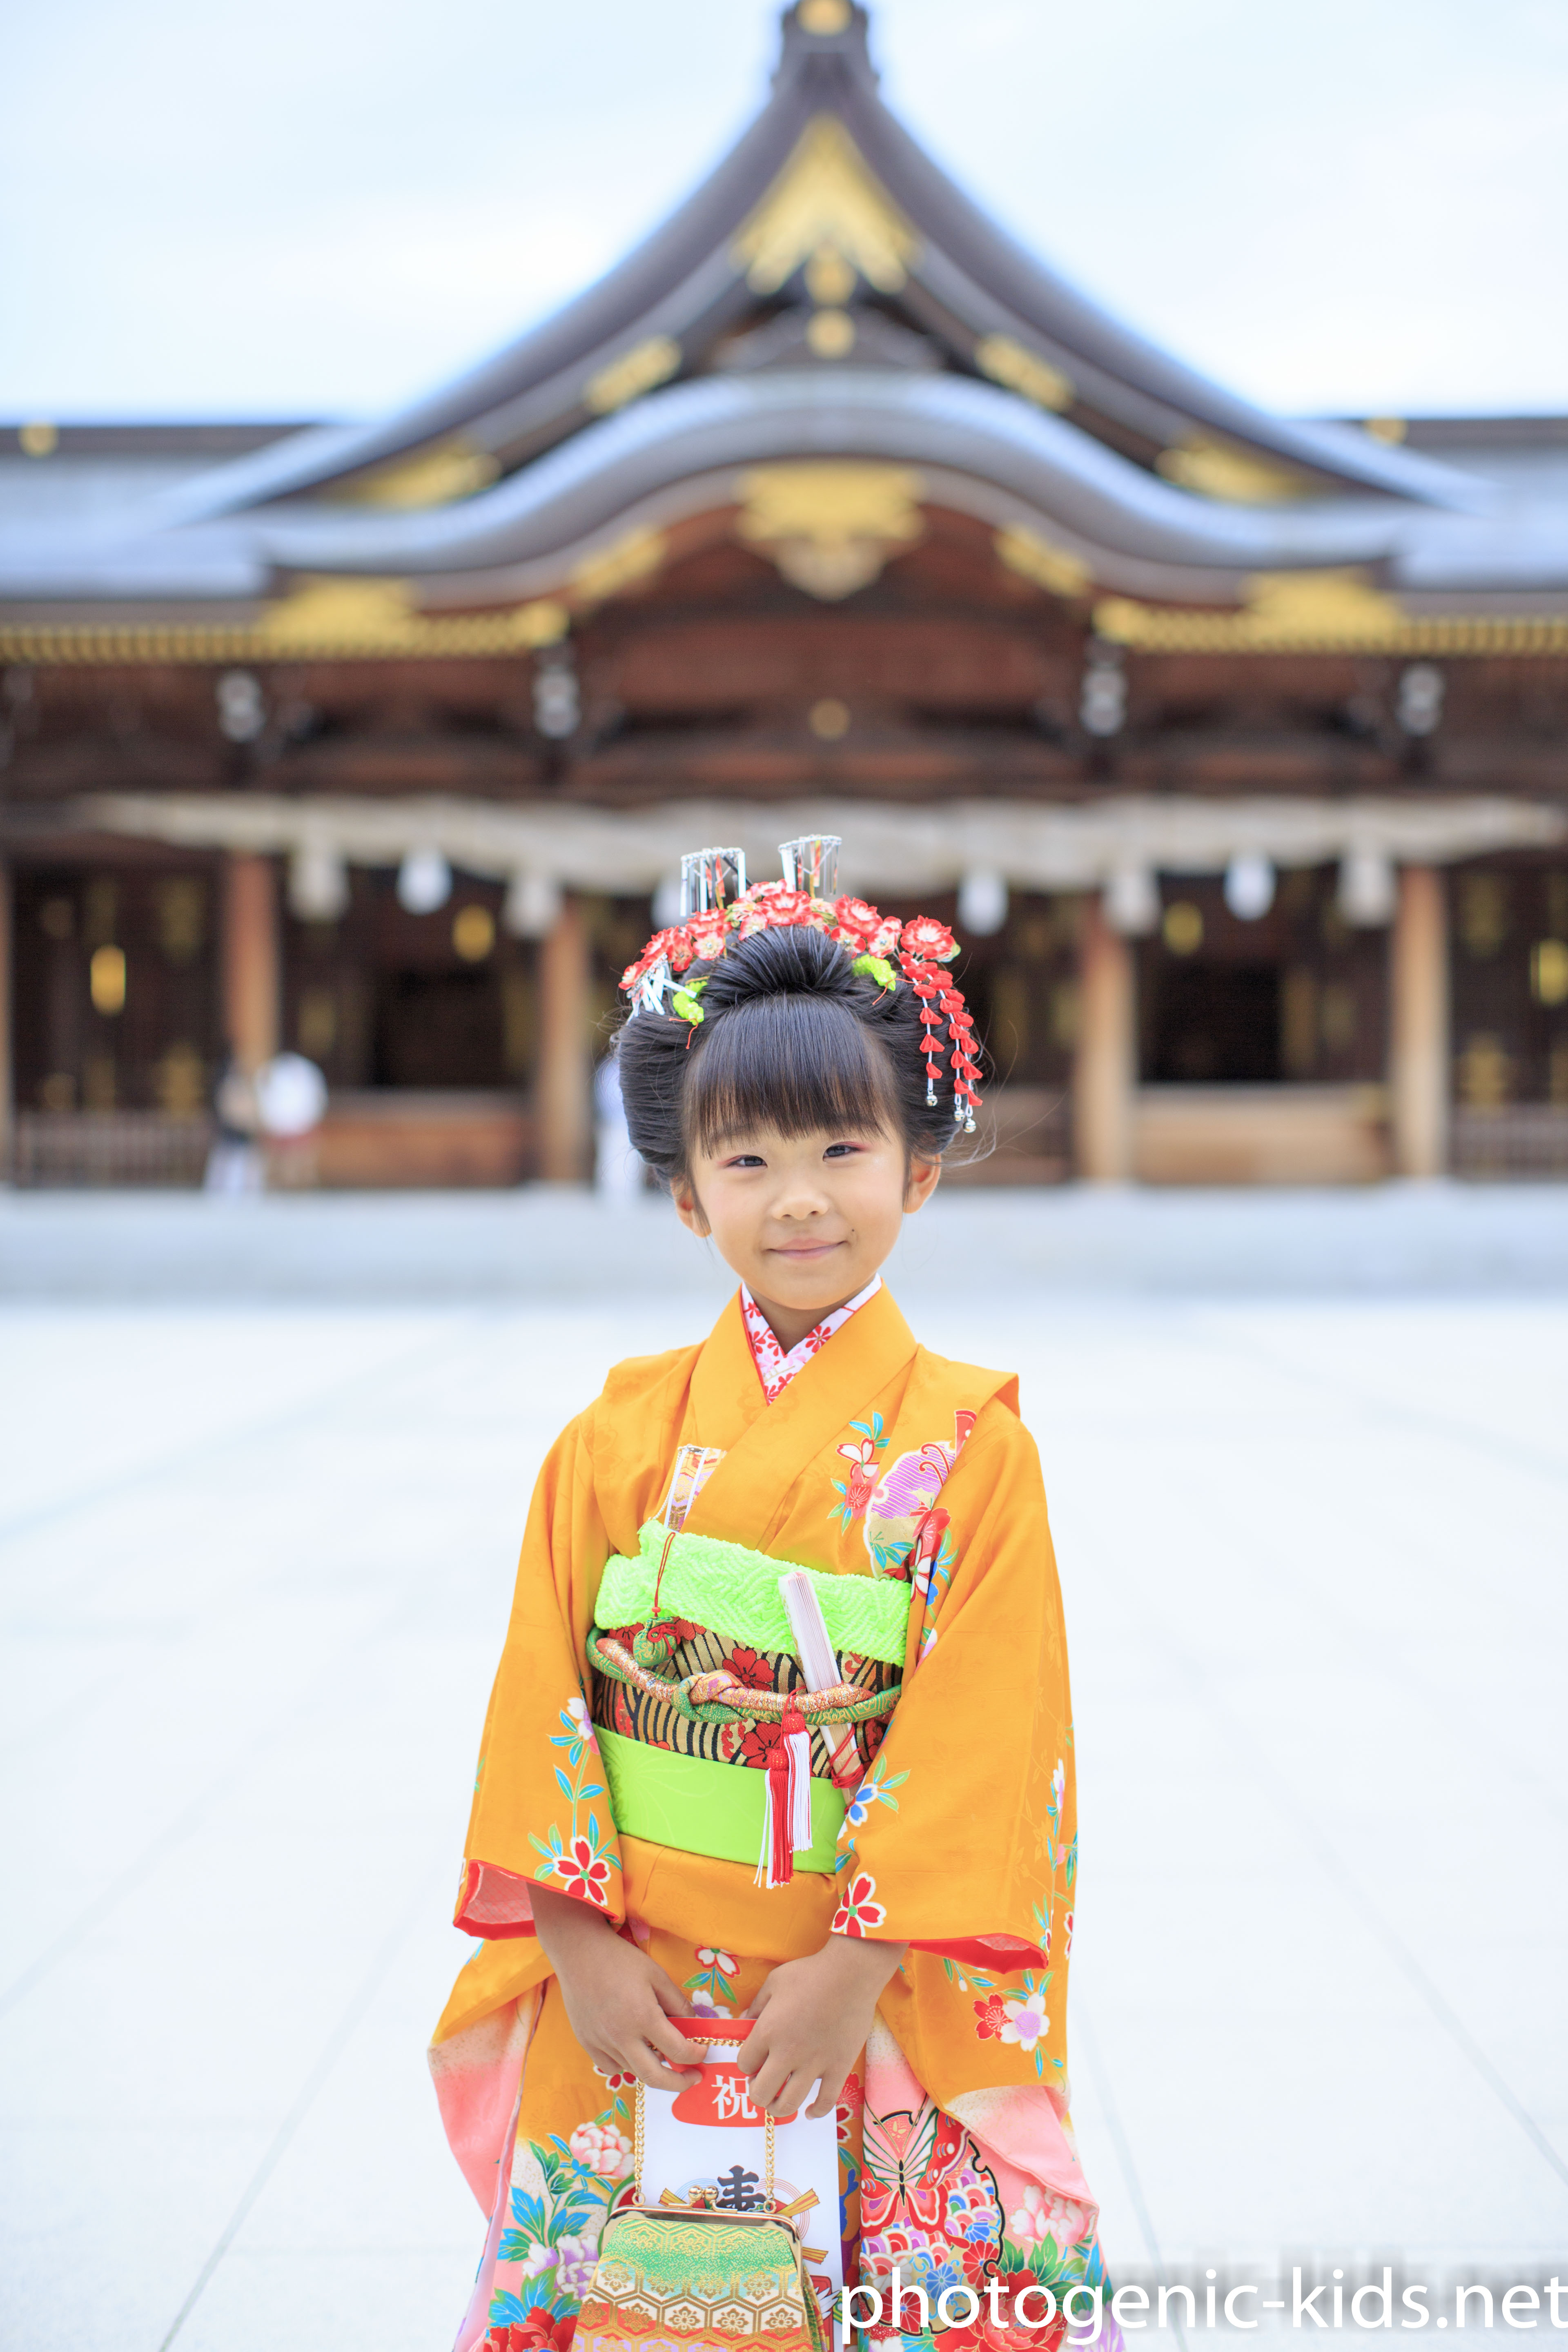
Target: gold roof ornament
column 1034, row 557
column 1023, row 370
column 1311, row 605
column 830, row 335
column 437, row 476
column 338, row 611
column 1220, row 469
column 635, row 372
column 826, row 201
column 830, row 279
column 830, row 527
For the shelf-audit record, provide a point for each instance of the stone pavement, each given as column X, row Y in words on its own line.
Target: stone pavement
column 255, row 1563
column 546, row 1241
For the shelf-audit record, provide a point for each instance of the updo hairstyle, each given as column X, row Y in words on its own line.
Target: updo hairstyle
column 791, row 1038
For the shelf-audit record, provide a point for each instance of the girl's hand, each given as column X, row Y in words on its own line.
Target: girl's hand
column 813, row 2017
column 620, row 2004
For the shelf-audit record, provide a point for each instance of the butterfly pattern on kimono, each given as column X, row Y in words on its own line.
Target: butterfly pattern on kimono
column 926, row 2192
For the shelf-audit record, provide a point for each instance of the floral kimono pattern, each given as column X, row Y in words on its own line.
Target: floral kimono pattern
column 877, row 1461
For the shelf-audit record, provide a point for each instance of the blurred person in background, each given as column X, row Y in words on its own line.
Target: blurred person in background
column 235, row 1163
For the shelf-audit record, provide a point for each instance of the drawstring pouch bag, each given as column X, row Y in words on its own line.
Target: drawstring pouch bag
column 718, row 2260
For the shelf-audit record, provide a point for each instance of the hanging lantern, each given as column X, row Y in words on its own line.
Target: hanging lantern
column 1249, row 886
column 1418, row 704
column 241, row 706
column 318, row 882
column 1132, row 901
column 1367, row 888
column 981, row 902
column 424, row 882
column 532, row 904
column 1102, row 693
column 557, row 703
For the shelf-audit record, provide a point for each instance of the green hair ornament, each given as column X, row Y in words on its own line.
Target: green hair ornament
column 684, row 1001
column 877, row 967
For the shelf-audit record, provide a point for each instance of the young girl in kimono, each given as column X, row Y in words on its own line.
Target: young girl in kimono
column 793, row 1069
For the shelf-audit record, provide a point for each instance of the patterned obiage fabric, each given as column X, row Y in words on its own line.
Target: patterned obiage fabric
column 873, row 1459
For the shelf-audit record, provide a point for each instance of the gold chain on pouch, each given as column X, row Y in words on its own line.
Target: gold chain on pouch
column 667, row 2197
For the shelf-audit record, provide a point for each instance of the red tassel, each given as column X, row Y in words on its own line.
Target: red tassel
column 786, row 1805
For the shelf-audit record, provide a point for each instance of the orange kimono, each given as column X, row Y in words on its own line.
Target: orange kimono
column 614, row 1769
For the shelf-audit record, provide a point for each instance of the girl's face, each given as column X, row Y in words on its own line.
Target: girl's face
column 804, row 1220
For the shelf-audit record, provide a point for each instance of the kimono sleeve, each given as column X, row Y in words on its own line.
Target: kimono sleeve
column 541, row 1812
column 959, row 1840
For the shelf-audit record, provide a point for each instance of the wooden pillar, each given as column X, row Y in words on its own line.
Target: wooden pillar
column 562, row 1092
column 251, row 989
column 1105, row 1072
column 1419, row 1025
column 7, row 1021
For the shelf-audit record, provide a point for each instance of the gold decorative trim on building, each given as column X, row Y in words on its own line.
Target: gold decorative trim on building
column 435, row 476
column 1049, row 566
column 358, row 627
column 1238, row 476
column 1324, row 613
column 831, row 527
column 1023, row 370
column 826, row 200
column 635, row 372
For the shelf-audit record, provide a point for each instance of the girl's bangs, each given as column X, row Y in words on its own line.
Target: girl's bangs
column 799, row 1065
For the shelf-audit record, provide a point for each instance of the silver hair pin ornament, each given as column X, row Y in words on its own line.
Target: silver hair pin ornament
column 712, row 879
column 811, row 864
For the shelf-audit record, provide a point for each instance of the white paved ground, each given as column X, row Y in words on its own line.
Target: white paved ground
column 255, row 1563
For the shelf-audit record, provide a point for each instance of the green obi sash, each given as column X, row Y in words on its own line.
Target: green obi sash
column 697, row 1807
column 735, row 1592
column 690, row 1802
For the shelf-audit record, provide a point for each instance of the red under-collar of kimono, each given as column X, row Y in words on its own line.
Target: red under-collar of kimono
column 775, row 1369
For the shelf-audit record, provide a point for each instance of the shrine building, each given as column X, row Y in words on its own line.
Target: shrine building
column 1233, row 745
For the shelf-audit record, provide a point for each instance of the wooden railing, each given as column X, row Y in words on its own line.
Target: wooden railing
column 108, row 1147
column 1515, row 1139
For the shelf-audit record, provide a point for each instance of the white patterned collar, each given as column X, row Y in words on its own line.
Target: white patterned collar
column 775, row 1369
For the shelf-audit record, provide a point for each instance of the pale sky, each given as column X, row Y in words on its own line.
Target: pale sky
column 320, row 207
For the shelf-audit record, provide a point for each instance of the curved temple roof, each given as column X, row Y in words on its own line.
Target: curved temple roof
column 827, row 294
column 697, row 262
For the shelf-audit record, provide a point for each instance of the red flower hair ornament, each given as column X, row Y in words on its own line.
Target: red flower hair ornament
column 879, row 947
